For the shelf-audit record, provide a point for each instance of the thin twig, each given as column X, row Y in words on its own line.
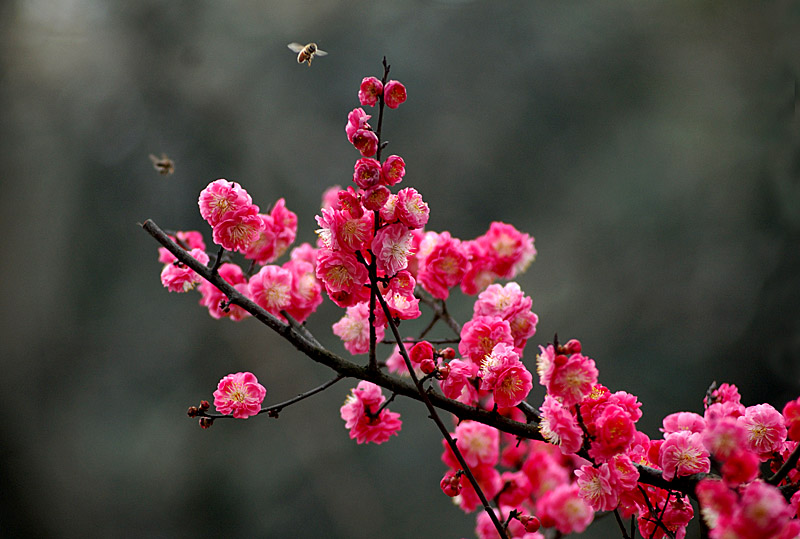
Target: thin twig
column 275, row 409
column 434, row 415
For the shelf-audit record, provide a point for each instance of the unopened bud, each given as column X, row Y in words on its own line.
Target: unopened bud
column 447, row 353
column 560, row 360
column 427, row 366
column 573, row 346
column 204, row 405
column 206, row 422
column 450, row 484
column 530, row 523
column 444, row 372
column 192, row 411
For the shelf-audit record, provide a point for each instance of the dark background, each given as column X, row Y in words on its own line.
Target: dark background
column 650, row 147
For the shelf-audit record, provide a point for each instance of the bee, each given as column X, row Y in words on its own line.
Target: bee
column 164, row 165
column 305, row 53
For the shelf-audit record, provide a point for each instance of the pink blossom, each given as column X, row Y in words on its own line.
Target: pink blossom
column 457, row 385
column 740, row 467
column 177, row 277
column 513, row 386
column 339, row 230
column 361, row 416
column 559, row 426
column 682, row 453
column 188, row 240
column 516, row 488
column 762, row 512
column 624, row 475
column 262, row 250
column 511, row 250
column 613, row 431
column 388, row 211
column 571, row 378
column 545, row 362
column 392, row 247
column 479, row 445
column 480, row 335
column 717, row 502
column 330, row 198
column 367, row 173
column 350, row 202
column 220, row 198
column 791, row 416
column 724, row 393
column 371, row 88
column 488, row 479
column 353, row 329
column 683, row 421
column 765, row 428
column 340, row 271
column 394, row 94
column 304, row 252
column 271, row 288
column 510, row 303
column 720, row 410
column 403, row 305
column 503, row 374
column 411, row 210
column 450, row 484
column 724, row 436
column 283, row 231
column 480, row 273
column 564, row 509
column 544, row 468
column 356, row 120
column 366, row 142
column 442, row 264
column 595, row 487
column 306, row 292
column 393, row 170
column 238, row 229
column 213, row 298
column 375, row 199
column 239, row 394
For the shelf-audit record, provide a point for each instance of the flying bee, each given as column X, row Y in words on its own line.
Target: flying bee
column 164, row 165
column 305, row 53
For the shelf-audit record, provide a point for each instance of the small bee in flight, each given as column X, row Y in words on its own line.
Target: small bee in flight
column 163, row 164
column 305, row 53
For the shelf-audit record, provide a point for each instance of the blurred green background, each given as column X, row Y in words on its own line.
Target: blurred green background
column 650, row 147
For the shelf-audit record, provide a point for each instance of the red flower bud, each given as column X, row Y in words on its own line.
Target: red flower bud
column 206, row 422
column 573, row 346
column 447, row 353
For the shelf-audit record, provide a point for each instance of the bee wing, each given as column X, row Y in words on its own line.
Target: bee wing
column 321, row 52
column 295, row 47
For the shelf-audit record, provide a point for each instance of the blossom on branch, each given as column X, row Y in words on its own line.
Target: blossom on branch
column 239, row 394
column 363, row 418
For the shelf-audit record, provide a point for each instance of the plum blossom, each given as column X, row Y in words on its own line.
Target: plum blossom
column 392, row 247
column 394, row 94
column 220, row 198
column 410, row 209
column 480, row 335
column 177, row 277
column 363, row 418
column 239, row 394
column 271, row 288
column 371, row 88
column 353, row 328
column 765, row 428
column 214, row 299
column 442, row 263
column 682, row 453
column 564, row 509
column 393, row 170
column 559, row 427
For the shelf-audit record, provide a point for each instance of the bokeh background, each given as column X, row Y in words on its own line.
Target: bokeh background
column 650, row 147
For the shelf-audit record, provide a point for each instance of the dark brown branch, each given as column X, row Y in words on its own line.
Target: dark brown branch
column 348, row 369
column 787, row 467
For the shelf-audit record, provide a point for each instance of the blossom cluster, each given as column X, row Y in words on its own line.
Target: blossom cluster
column 373, row 243
column 238, row 226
